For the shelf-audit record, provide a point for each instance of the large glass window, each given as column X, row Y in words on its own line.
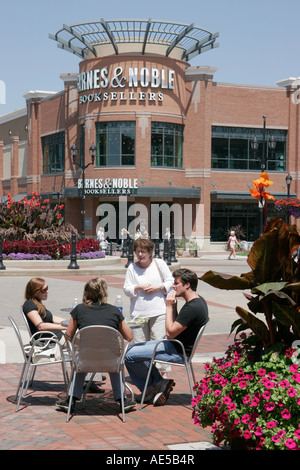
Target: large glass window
column 231, row 149
column 226, row 215
column 166, row 144
column 53, row 147
column 115, row 143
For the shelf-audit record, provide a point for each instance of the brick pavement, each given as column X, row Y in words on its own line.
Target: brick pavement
column 38, row 425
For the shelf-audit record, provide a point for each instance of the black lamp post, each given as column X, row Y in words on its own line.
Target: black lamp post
column 263, row 165
column 255, row 144
column 82, row 166
column 288, row 180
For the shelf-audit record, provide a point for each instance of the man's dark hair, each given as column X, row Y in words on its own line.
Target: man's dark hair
column 186, row 275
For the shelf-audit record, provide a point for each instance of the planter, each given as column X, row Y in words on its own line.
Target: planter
column 179, row 251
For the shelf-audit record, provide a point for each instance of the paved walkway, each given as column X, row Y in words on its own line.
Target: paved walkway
column 98, row 425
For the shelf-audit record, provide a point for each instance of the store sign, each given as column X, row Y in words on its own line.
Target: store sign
column 98, row 80
column 108, row 186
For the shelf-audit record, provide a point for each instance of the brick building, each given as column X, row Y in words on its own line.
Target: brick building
column 171, row 145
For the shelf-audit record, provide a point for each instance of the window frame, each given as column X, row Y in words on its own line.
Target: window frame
column 275, row 160
column 105, row 131
column 54, row 141
column 170, row 149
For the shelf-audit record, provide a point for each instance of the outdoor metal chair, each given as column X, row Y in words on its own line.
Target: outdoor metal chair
column 99, row 349
column 29, row 366
column 187, row 362
column 65, row 345
column 26, row 323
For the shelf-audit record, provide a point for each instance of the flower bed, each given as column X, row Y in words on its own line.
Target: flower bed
column 50, row 249
column 283, row 207
column 256, row 401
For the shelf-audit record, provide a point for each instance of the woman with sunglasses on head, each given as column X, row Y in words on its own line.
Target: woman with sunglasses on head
column 39, row 318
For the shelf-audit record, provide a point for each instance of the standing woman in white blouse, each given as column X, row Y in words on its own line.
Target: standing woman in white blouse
column 147, row 282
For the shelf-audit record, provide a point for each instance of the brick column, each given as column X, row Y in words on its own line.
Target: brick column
column 1, row 167
column 14, row 166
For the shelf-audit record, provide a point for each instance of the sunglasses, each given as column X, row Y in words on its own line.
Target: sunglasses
column 43, row 291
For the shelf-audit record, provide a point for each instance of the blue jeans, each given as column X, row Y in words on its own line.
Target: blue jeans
column 138, row 360
column 114, row 380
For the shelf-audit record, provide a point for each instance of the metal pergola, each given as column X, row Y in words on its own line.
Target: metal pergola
column 80, row 39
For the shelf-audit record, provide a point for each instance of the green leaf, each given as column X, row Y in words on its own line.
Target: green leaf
column 268, row 286
column 263, row 258
column 258, row 327
column 239, row 325
column 225, row 281
column 289, row 316
column 295, row 287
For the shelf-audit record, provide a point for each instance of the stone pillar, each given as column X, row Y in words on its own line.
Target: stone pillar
column 1, row 167
column 14, row 166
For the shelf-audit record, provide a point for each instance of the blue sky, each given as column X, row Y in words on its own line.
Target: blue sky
column 259, row 39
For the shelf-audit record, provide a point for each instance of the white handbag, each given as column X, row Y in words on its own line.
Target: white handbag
column 44, row 350
column 46, row 354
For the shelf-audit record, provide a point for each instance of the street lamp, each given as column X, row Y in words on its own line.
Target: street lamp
column 82, row 166
column 263, row 165
column 271, row 144
column 288, row 180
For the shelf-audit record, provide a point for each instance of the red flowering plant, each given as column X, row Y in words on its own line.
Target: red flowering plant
column 273, row 291
column 283, row 207
column 259, row 188
column 31, row 214
column 259, row 192
column 257, row 402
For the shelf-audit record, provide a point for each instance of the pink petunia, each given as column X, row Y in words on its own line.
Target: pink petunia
column 294, row 368
column 292, row 392
column 291, row 444
column 286, row 414
column 258, row 431
column 272, row 375
column 266, row 395
column 284, row 384
column 271, row 424
column 245, row 418
column 227, row 400
column 296, row 377
column 247, row 435
column 297, row 433
column 243, row 384
column 261, row 372
column 269, row 406
column 246, row 399
column 269, row 384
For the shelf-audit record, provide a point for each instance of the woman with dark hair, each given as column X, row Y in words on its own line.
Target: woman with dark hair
column 39, row 318
column 96, row 311
column 147, row 282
